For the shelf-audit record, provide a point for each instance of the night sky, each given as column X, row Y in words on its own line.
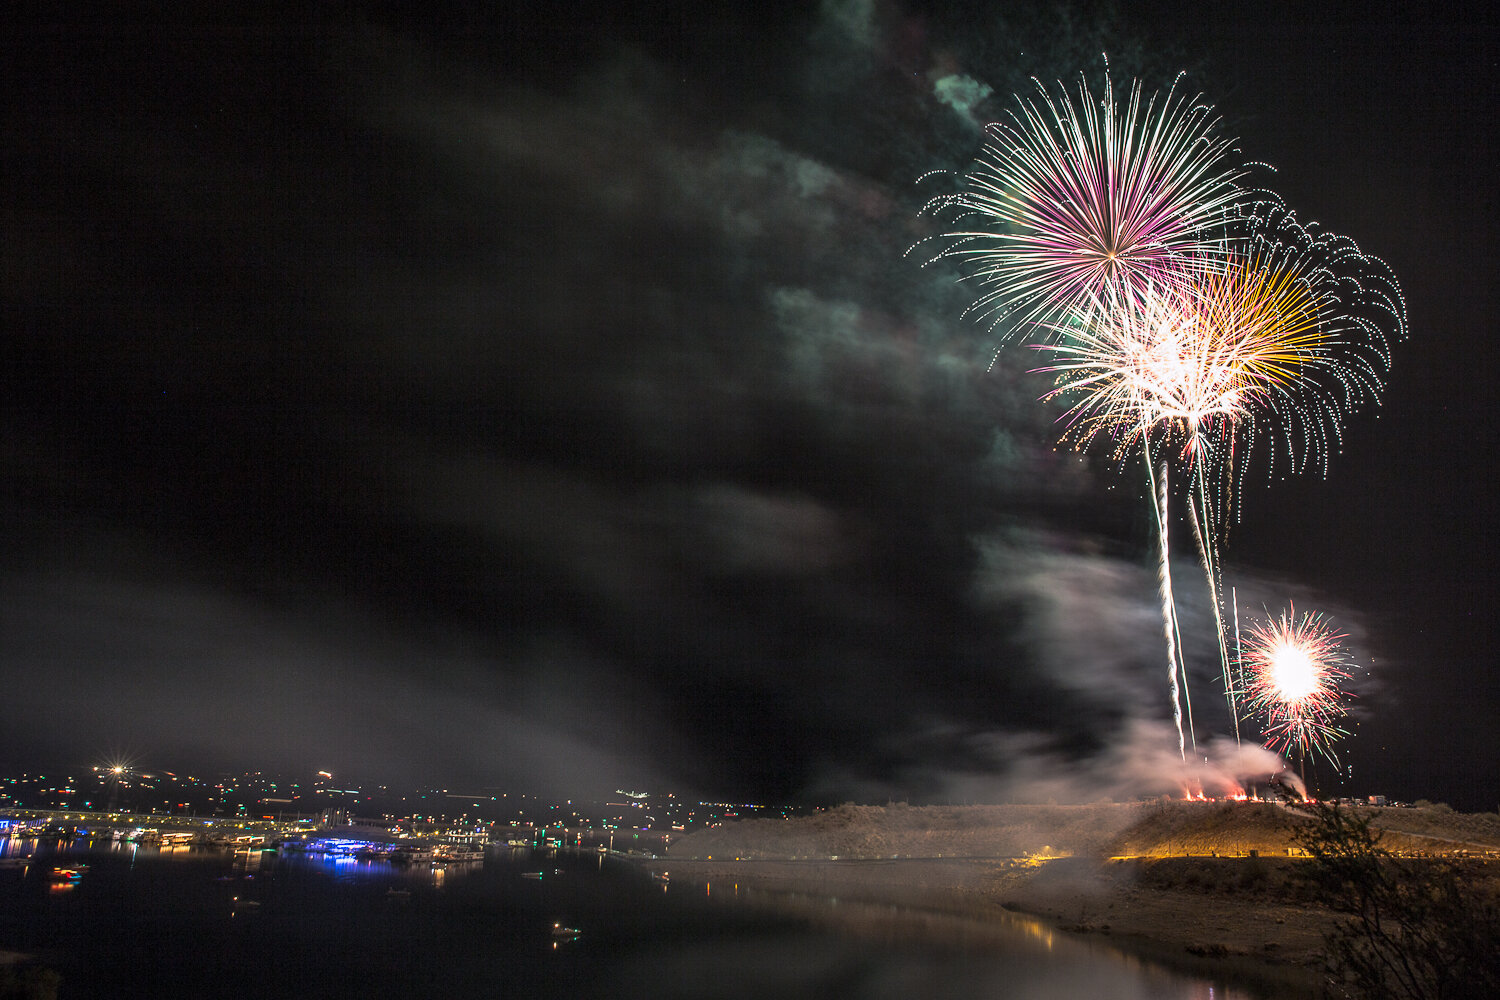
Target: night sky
column 537, row 398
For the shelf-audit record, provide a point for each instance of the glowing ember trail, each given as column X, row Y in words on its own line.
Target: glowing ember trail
column 1175, row 666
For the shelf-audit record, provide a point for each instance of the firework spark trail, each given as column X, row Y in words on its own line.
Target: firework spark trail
column 1208, row 555
column 1169, row 605
column 1294, row 667
column 1232, row 684
column 1067, row 199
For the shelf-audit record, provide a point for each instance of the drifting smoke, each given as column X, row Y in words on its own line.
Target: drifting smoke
column 1232, row 768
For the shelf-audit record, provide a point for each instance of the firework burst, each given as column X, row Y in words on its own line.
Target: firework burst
column 1193, row 361
column 1070, row 198
column 1187, row 368
column 1282, row 337
column 1293, row 668
column 1186, row 317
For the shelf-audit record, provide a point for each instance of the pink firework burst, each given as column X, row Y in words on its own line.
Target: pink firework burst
column 1293, row 668
column 1072, row 196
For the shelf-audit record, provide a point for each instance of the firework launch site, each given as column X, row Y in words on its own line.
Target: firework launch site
column 1198, row 884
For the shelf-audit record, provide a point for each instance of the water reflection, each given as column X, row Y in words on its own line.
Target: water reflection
column 896, row 923
column 879, row 948
column 518, row 923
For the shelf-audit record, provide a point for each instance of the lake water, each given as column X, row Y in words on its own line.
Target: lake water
column 138, row 921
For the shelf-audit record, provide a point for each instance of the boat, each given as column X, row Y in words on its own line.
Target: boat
column 409, row 854
column 531, row 874
column 448, row 853
column 559, row 931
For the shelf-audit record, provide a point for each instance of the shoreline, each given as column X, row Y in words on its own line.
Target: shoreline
column 1173, row 912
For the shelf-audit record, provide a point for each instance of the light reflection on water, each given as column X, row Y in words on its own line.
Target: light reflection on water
column 265, row 923
column 878, row 949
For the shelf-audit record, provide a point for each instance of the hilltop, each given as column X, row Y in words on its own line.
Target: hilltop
column 1157, row 828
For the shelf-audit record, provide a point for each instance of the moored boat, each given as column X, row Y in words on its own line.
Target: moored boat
column 457, row 852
